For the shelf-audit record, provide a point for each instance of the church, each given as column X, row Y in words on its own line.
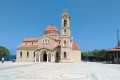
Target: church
column 52, row 46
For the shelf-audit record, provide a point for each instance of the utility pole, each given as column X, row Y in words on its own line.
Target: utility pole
column 118, row 37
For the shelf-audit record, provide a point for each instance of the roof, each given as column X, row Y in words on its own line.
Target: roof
column 116, row 49
column 51, row 28
column 57, row 45
column 75, row 46
column 113, row 50
column 58, row 38
column 27, row 46
column 30, row 39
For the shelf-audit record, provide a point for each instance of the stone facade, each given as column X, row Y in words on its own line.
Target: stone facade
column 51, row 47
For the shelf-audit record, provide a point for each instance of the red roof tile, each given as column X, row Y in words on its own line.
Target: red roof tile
column 30, row 39
column 27, row 46
column 114, row 49
column 118, row 47
column 51, row 28
column 75, row 46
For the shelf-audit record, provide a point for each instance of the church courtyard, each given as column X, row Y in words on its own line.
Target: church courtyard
column 59, row 71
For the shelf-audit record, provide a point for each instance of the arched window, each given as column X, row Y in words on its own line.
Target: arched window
column 65, row 54
column 65, row 23
column 27, row 54
column 64, row 31
column 20, row 54
column 45, row 40
column 64, row 43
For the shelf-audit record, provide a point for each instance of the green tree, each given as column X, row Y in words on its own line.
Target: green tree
column 4, row 51
column 99, row 55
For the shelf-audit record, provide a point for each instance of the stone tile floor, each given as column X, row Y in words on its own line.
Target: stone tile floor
column 59, row 71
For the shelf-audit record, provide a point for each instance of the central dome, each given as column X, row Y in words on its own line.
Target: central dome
column 51, row 28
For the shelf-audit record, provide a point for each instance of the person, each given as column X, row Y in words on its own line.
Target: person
column 2, row 60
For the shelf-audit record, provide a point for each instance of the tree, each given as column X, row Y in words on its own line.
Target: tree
column 98, row 55
column 4, row 51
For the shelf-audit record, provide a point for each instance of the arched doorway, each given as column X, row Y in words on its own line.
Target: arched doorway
column 44, row 57
column 57, row 57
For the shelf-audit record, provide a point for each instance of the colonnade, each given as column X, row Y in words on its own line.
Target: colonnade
column 50, row 56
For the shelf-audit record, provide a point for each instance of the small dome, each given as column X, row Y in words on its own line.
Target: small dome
column 75, row 46
column 51, row 28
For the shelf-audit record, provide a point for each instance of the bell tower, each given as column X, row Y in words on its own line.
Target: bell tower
column 65, row 37
column 65, row 29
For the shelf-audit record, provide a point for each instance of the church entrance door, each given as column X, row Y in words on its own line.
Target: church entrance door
column 44, row 57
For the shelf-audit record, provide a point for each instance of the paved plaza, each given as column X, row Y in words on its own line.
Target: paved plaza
column 59, row 71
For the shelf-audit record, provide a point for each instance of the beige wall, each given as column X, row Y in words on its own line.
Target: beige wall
column 76, row 55
column 68, row 55
column 49, row 45
column 68, row 43
column 35, row 43
column 59, row 51
column 72, row 55
column 24, row 55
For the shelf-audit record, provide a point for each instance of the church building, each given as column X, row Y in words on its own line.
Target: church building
column 52, row 46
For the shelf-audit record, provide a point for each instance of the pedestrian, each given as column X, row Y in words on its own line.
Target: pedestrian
column 2, row 60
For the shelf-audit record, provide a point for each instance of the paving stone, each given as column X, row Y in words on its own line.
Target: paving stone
column 59, row 71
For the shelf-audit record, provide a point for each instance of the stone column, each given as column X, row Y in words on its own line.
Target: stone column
column 47, row 57
column 39, row 57
column 51, row 56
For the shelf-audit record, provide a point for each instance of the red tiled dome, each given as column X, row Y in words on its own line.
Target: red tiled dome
column 75, row 46
column 51, row 28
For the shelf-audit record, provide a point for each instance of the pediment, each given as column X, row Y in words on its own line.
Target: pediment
column 45, row 36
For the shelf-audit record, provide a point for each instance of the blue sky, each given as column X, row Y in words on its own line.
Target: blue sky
column 93, row 22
